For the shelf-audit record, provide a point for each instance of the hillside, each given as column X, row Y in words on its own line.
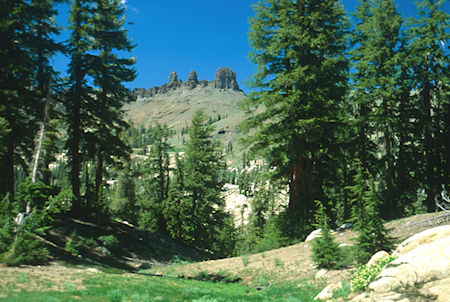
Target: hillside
column 294, row 262
column 115, row 244
column 175, row 102
column 266, row 275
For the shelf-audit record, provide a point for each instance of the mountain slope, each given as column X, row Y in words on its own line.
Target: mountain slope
column 174, row 103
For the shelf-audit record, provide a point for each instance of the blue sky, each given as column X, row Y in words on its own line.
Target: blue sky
column 200, row 35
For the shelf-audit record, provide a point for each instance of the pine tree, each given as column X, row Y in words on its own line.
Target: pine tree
column 27, row 33
column 79, row 94
column 156, row 180
column 200, row 205
column 376, row 59
column 429, row 60
column 109, row 71
column 300, row 82
column 172, row 209
column 373, row 236
column 97, row 94
column 326, row 252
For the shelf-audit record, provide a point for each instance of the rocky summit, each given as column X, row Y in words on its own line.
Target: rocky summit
column 225, row 79
column 175, row 102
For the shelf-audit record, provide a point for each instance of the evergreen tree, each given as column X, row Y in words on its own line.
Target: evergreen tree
column 172, row 209
column 97, row 95
column 27, row 33
column 429, row 59
column 326, row 252
column 79, row 93
column 373, row 236
column 200, row 206
column 300, row 82
column 377, row 82
column 156, row 181
column 109, row 71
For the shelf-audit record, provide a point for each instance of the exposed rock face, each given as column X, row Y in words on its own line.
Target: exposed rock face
column 423, row 262
column 225, row 79
column 422, row 266
column 173, row 78
column 192, row 77
column 192, row 81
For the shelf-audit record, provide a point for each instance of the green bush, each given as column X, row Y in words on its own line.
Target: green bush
column 110, row 242
column 73, row 245
column 26, row 249
column 364, row 275
column 24, row 245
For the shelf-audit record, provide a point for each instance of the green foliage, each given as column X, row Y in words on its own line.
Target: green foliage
column 326, row 252
column 364, row 275
column 156, row 180
column 110, row 242
column 271, row 237
column 373, row 236
column 245, row 260
column 73, row 245
column 105, row 287
column 26, row 248
column 195, row 207
column 294, row 110
column 34, row 194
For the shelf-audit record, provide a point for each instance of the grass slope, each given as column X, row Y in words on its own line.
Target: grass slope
column 285, row 274
column 92, row 285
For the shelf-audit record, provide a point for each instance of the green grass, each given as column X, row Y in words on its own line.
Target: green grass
column 118, row 288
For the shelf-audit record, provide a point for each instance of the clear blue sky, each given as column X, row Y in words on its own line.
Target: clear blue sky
column 200, row 35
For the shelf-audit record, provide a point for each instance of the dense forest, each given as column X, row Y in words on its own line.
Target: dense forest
column 350, row 114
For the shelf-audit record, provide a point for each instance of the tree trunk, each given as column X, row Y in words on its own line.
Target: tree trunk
column 429, row 152
column 300, row 185
column 98, row 177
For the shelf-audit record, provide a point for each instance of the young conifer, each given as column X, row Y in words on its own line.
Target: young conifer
column 326, row 251
column 373, row 236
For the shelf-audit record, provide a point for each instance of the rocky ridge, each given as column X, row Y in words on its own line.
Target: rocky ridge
column 225, row 79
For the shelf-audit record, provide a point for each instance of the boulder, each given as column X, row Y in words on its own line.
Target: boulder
column 423, row 262
column 313, row 235
column 424, row 237
column 328, row 291
column 439, row 289
column 377, row 257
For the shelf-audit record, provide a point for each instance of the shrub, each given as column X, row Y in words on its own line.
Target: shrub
column 26, row 249
column 110, row 242
column 73, row 245
column 364, row 275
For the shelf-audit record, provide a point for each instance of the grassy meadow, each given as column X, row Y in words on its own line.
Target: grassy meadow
column 94, row 285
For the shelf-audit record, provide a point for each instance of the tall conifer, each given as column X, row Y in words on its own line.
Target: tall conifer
column 299, row 86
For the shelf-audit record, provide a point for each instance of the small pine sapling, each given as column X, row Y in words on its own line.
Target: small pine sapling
column 326, row 253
